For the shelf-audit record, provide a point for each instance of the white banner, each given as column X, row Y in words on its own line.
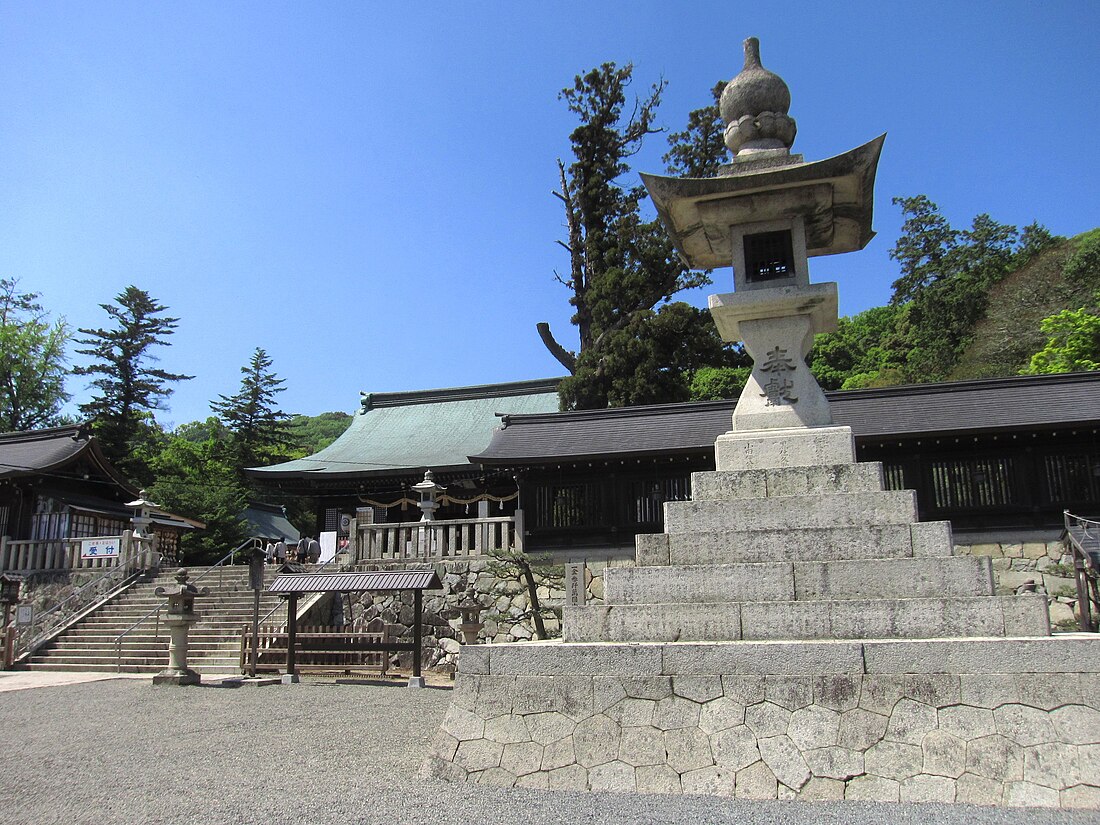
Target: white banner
column 103, row 548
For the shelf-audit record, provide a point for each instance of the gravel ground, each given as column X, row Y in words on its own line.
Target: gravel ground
column 319, row 752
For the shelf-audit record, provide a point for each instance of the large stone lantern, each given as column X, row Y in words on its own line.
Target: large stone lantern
column 766, row 214
column 180, row 615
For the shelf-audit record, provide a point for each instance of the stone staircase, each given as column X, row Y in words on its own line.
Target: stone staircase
column 829, row 555
column 213, row 641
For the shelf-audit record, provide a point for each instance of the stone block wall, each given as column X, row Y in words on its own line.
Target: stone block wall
column 1045, row 563
column 987, row 738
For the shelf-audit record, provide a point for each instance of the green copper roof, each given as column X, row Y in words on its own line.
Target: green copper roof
column 425, row 429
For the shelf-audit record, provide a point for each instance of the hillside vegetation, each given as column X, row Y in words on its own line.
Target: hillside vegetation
column 1003, row 342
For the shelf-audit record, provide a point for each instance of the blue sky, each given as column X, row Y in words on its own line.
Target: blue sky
column 363, row 189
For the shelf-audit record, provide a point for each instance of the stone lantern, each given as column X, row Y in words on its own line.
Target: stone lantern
column 469, row 611
column 142, row 518
column 9, row 597
column 179, row 617
column 766, row 213
column 429, row 494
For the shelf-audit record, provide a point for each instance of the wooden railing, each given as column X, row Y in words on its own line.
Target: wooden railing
column 29, row 556
column 437, row 539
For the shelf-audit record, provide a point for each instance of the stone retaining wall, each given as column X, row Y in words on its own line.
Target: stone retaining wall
column 503, row 600
column 1027, row 738
column 1045, row 563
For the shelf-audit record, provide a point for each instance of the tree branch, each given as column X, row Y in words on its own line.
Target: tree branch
column 566, row 358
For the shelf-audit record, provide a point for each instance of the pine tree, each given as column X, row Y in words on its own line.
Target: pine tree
column 32, row 361
column 623, row 270
column 259, row 432
column 128, row 388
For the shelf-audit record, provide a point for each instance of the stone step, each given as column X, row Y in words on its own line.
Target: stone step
column 139, row 666
column 931, row 538
column 791, row 512
column 927, row 618
column 729, row 485
column 802, row 581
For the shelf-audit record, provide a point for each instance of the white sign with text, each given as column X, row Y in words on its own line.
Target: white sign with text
column 103, row 548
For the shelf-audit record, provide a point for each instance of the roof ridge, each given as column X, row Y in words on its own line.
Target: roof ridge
column 477, row 391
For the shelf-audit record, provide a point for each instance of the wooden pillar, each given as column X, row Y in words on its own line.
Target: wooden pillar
column 418, row 597
column 291, row 632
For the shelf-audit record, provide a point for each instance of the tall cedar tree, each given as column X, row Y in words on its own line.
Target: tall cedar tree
column 258, row 431
column 635, row 346
column 32, row 361
column 128, row 388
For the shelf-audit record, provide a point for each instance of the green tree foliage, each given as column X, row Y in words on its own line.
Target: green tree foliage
column 862, row 352
column 258, row 432
column 1073, row 344
column 195, row 478
column 718, row 383
column 314, row 433
column 128, row 388
column 32, row 361
column 623, row 270
column 1083, row 265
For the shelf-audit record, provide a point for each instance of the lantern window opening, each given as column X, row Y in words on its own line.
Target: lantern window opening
column 769, row 256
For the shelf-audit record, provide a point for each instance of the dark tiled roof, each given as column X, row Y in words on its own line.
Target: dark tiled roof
column 38, row 450
column 356, row 582
column 964, row 406
column 270, row 522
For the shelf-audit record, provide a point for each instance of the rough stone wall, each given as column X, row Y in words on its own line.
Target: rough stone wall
column 988, row 739
column 1047, row 564
column 503, row 600
column 44, row 590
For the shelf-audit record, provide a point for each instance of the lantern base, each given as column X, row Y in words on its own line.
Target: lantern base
column 177, row 677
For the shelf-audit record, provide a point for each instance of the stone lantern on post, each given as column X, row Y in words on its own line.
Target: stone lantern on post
column 429, row 502
column 766, row 213
column 141, row 522
column 429, row 492
column 9, row 597
column 180, row 616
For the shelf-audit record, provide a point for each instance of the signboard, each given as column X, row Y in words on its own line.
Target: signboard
column 574, row 584
column 328, row 546
column 24, row 614
column 102, row 548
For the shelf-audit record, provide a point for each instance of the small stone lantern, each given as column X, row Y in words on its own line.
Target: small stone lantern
column 429, row 493
column 470, row 620
column 180, row 615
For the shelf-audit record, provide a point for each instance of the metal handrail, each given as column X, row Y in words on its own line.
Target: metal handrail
column 29, row 639
column 1083, row 538
column 219, row 565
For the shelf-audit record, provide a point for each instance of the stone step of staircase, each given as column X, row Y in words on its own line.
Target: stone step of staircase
column 729, row 485
column 213, row 641
column 802, row 581
column 921, row 618
column 791, row 512
column 746, row 545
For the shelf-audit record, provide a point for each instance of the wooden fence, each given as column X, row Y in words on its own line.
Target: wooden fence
column 437, row 539
column 322, row 649
column 38, row 555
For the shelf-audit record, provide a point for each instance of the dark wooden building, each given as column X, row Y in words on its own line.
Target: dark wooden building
column 995, row 457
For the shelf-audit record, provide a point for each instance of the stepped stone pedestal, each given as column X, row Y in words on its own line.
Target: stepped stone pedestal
column 795, row 633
